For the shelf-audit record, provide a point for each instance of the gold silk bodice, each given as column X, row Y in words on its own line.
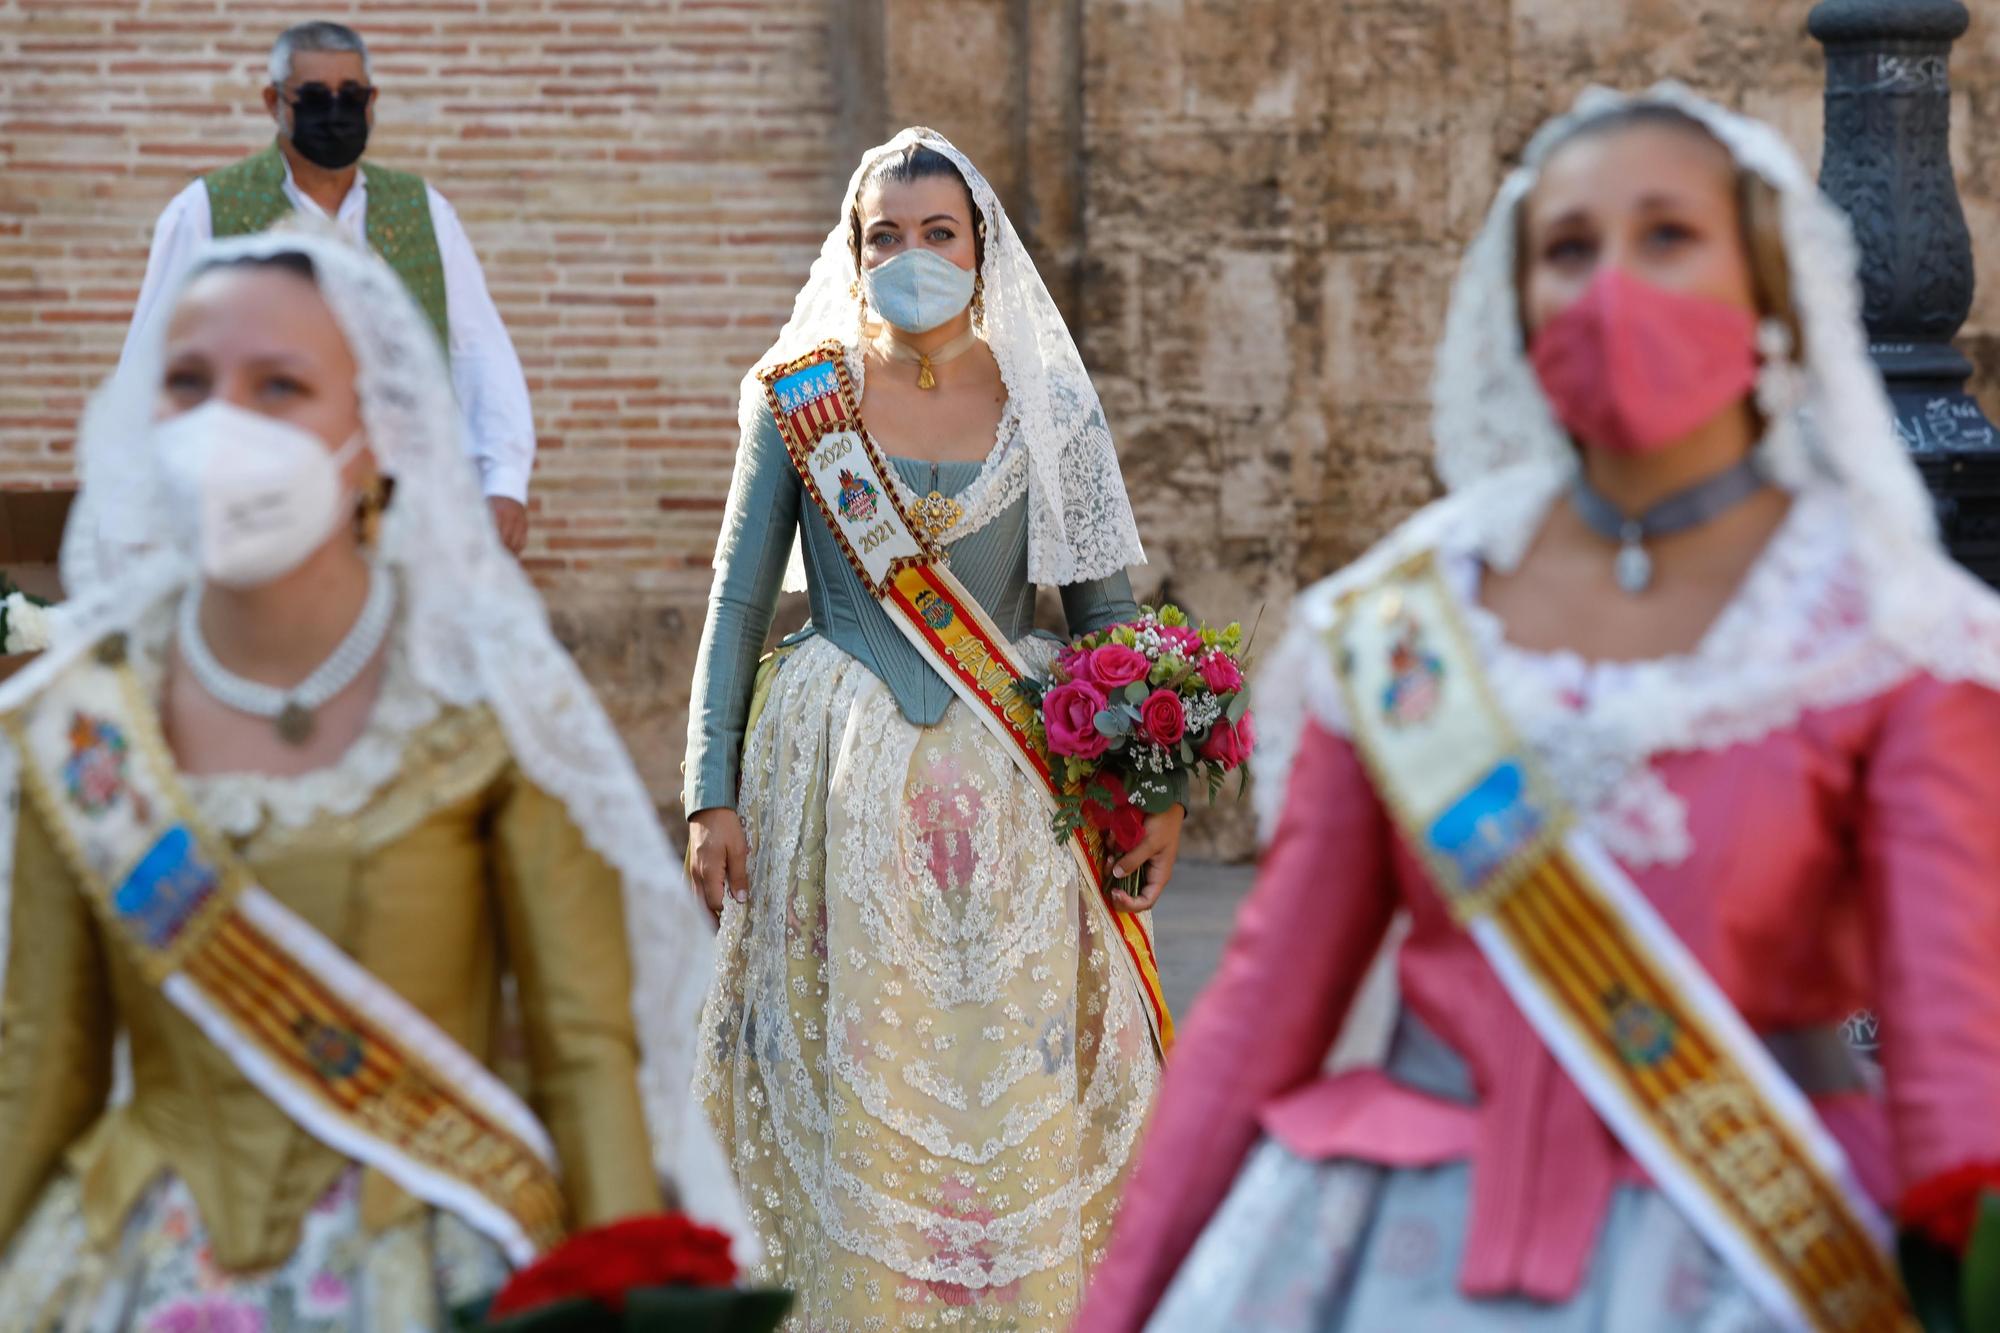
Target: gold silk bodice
column 456, row 873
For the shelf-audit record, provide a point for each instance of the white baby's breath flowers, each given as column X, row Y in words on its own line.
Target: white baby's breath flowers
column 28, row 627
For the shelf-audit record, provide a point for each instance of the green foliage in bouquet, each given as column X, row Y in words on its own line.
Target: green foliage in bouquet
column 647, row 1310
column 1951, row 1294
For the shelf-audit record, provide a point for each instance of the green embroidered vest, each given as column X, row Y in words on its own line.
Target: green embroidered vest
column 249, row 196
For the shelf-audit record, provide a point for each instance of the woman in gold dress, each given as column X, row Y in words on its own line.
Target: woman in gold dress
column 313, row 818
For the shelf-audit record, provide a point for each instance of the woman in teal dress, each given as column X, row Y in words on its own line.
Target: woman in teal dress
column 922, row 1047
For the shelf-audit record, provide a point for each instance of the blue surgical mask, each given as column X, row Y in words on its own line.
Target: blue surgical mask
column 918, row 290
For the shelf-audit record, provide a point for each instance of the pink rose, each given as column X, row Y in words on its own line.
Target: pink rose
column 1114, row 666
column 1069, row 712
column 1183, row 639
column 1230, row 744
column 1162, row 718
column 1074, row 663
column 1220, row 673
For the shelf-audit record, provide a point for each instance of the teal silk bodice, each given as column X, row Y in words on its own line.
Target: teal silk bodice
column 766, row 509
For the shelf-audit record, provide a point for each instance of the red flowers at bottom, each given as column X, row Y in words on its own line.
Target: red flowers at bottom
column 1946, row 1206
column 604, row 1263
column 1119, row 820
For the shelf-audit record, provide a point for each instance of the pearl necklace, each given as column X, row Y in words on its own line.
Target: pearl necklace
column 291, row 709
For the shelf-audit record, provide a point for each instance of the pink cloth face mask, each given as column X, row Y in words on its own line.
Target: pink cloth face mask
column 1632, row 367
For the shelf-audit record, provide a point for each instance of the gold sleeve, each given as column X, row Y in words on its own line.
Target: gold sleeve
column 563, row 915
column 56, row 1021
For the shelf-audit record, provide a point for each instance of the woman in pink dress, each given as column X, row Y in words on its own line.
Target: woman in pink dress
column 1701, row 578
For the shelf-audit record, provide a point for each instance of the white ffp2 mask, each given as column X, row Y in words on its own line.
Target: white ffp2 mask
column 265, row 494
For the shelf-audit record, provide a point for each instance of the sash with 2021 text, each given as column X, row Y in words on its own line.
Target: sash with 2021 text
column 901, row 565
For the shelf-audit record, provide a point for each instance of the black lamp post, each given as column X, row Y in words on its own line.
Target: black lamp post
column 1888, row 164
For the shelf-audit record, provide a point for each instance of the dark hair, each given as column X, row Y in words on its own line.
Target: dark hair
column 295, row 262
column 916, row 162
column 1757, row 210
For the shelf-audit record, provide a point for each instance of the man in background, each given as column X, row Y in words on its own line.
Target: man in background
column 322, row 97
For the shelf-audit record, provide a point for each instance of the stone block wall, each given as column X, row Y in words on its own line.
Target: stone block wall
column 1250, row 209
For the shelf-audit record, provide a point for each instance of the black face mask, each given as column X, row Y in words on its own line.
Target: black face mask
column 330, row 131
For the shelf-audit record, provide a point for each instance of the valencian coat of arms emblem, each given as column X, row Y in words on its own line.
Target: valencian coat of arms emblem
column 1415, row 674
column 857, row 497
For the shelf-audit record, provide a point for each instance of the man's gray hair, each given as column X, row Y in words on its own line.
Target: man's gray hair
column 316, row 36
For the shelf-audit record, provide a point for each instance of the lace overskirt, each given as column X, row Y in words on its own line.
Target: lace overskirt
column 925, row 1064
column 159, row 1277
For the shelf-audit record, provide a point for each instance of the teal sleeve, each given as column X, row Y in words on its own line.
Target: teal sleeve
column 1090, row 607
column 759, row 525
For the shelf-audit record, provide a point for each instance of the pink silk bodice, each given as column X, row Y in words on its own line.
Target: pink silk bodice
column 1850, row 861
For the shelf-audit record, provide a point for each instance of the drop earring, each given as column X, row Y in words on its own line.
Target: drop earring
column 1780, row 381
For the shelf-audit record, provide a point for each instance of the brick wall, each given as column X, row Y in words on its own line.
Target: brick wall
column 1260, row 205
column 1250, row 209
column 645, row 184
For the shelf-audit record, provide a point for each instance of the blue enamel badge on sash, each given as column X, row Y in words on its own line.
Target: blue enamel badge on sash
column 165, row 890
column 804, row 387
column 1488, row 826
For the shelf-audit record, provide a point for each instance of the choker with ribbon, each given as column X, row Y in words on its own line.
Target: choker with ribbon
column 925, row 362
column 1683, row 511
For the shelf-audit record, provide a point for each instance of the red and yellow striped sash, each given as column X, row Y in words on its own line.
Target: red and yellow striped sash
column 818, row 416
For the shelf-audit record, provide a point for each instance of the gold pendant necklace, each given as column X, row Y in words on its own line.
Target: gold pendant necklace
column 926, row 362
column 937, row 513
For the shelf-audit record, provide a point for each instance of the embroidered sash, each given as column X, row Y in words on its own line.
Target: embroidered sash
column 1626, row 1010
column 346, row 1057
column 819, row 417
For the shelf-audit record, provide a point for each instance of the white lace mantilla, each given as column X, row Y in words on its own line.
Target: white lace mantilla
column 1851, row 596
column 1080, row 524
column 472, row 631
column 1797, row 637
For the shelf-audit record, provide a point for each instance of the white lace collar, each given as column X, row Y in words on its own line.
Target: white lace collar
column 1002, row 478
column 238, row 804
column 1796, row 637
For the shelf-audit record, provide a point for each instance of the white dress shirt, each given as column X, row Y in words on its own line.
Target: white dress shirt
column 485, row 370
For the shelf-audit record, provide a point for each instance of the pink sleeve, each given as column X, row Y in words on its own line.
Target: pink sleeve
column 1301, row 945
column 1931, row 851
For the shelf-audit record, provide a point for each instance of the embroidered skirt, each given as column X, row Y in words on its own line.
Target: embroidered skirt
column 1345, row 1247
column 159, row 1277
column 928, row 1067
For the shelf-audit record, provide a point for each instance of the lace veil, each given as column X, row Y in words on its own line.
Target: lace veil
column 477, row 633
column 1503, row 457
column 1080, row 524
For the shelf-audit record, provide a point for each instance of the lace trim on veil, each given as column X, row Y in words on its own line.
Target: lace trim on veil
column 1795, row 638
column 1080, row 523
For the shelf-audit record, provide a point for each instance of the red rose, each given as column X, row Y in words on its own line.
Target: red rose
column 1230, row 744
column 606, row 1262
column 1107, row 809
column 1069, row 715
column 1128, row 827
column 1162, row 718
column 1114, row 666
column 1220, row 673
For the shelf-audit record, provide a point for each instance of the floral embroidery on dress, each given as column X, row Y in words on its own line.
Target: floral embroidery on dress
column 944, row 811
column 924, row 1062
column 161, row 1275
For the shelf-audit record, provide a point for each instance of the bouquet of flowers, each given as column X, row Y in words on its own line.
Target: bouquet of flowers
column 24, row 620
column 1137, row 714
column 636, row 1276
